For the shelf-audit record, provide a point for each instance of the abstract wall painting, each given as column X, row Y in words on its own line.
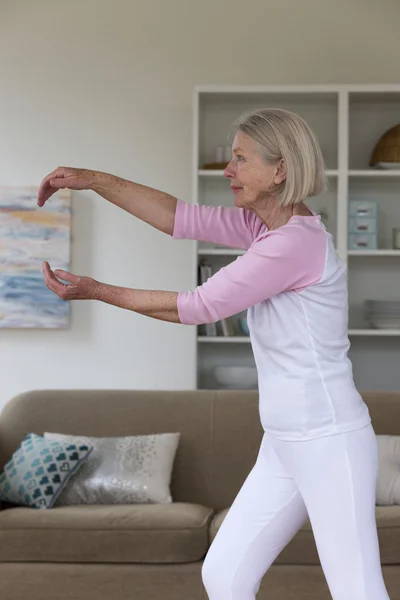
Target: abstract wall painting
column 28, row 236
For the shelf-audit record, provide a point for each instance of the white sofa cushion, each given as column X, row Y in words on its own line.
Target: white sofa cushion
column 388, row 484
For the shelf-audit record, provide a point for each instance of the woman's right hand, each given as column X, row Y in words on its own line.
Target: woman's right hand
column 65, row 177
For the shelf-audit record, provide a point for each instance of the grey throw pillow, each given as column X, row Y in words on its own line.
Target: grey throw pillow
column 388, row 484
column 124, row 470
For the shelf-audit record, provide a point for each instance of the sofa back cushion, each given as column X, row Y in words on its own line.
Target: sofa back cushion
column 220, row 430
column 384, row 408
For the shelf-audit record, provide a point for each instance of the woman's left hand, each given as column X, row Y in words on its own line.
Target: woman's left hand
column 156, row 304
column 78, row 288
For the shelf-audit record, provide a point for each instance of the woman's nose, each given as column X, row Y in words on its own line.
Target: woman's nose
column 229, row 171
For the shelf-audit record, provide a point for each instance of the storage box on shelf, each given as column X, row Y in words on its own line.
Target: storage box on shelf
column 383, row 194
column 363, row 227
column 362, row 204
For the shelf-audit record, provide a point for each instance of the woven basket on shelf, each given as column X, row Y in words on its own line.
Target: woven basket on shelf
column 388, row 148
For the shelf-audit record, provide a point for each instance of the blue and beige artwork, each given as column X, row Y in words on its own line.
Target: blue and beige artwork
column 28, row 236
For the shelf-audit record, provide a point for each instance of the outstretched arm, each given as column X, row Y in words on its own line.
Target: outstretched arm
column 147, row 204
column 233, row 227
column 281, row 262
column 156, row 304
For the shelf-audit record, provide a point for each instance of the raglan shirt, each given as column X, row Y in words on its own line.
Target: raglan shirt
column 294, row 288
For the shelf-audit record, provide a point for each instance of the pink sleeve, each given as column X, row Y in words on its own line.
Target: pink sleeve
column 232, row 227
column 285, row 259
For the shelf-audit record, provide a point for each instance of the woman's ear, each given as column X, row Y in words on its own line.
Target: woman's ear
column 280, row 174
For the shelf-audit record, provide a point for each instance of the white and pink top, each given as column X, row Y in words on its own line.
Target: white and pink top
column 295, row 289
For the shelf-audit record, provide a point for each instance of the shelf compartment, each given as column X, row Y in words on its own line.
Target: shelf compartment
column 213, row 355
column 386, row 193
column 371, row 114
column 218, row 111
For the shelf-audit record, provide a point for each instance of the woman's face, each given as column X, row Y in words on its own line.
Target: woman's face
column 251, row 176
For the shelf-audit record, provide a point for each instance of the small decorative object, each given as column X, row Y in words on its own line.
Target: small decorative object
column 236, row 377
column 28, row 237
column 125, row 470
column 228, row 327
column 244, row 327
column 39, row 470
column 323, row 213
column 386, row 154
column 382, row 314
column 396, row 238
column 205, row 272
column 222, row 156
column 227, row 154
column 219, row 154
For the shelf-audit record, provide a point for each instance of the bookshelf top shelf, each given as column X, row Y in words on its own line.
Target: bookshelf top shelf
column 357, row 88
column 329, row 173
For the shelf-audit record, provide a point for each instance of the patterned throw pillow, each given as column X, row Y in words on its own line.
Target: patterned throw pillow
column 39, row 470
column 122, row 470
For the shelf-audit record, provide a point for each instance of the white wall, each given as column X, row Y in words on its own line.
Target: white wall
column 107, row 84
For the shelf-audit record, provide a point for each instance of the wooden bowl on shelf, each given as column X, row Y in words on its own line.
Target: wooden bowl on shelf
column 386, row 153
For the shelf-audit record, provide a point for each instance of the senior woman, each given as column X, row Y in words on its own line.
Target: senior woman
column 318, row 457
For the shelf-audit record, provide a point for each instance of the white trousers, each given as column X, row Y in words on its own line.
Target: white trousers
column 330, row 479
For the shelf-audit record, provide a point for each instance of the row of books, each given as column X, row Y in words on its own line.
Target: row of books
column 225, row 327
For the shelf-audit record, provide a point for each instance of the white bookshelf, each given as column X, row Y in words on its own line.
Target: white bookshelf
column 348, row 121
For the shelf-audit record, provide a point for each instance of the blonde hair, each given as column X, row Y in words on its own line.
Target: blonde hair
column 281, row 134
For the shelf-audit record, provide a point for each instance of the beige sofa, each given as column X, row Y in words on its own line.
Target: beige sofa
column 148, row 552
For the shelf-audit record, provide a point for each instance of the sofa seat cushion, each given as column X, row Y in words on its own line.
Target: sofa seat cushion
column 302, row 550
column 140, row 533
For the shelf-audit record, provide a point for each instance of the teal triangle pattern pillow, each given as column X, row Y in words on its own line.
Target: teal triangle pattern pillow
column 39, row 470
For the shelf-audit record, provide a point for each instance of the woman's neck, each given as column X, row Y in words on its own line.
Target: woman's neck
column 275, row 216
